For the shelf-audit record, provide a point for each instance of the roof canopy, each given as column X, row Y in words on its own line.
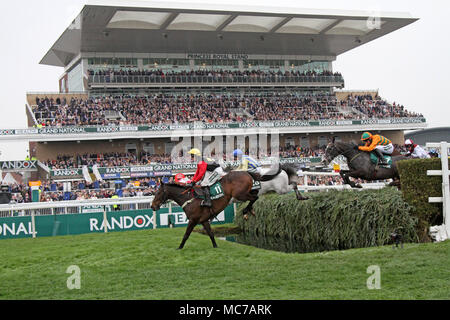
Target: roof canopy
column 154, row 27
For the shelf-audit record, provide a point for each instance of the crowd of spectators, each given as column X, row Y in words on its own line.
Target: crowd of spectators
column 114, row 159
column 81, row 190
column 210, row 108
column 378, row 108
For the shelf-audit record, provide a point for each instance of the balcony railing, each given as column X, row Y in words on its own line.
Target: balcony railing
column 195, row 79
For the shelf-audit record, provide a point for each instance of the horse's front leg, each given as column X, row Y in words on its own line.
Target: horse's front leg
column 355, row 174
column 346, row 174
column 249, row 207
column 395, row 183
column 189, row 229
column 208, row 230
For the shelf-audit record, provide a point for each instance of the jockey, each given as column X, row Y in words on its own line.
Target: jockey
column 247, row 163
column 208, row 172
column 415, row 151
column 378, row 144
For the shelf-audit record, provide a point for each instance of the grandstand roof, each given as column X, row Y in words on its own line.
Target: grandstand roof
column 160, row 27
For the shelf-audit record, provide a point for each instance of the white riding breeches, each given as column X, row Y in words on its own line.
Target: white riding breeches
column 388, row 149
column 257, row 170
column 212, row 177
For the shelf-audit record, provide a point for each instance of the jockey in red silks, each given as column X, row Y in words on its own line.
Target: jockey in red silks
column 208, row 172
column 416, row 151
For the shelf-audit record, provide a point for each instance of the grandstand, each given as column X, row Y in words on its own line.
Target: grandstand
column 138, row 80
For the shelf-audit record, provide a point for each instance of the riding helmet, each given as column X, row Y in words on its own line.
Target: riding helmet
column 237, row 152
column 195, row 151
column 366, row 136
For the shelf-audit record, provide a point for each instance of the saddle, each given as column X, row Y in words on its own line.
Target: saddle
column 374, row 159
column 215, row 191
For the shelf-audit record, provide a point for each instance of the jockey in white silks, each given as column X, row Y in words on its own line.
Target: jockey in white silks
column 416, row 151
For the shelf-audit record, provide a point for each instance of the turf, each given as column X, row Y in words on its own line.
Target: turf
column 146, row 265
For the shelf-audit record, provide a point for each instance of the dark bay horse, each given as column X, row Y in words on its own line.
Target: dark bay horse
column 236, row 184
column 360, row 165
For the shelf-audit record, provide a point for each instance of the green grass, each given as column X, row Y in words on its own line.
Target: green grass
column 145, row 265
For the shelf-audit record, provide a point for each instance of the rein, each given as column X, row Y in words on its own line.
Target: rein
column 354, row 157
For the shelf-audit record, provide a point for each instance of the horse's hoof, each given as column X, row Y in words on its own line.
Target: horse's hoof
column 246, row 216
column 253, row 212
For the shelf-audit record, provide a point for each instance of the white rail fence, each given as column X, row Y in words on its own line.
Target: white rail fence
column 442, row 232
column 71, row 206
column 305, row 187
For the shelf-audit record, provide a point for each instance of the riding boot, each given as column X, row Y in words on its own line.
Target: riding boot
column 380, row 156
column 207, row 201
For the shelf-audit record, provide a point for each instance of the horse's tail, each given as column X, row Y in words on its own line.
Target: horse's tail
column 291, row 172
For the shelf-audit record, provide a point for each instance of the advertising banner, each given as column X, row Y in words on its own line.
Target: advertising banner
column 91, row 220
column 196, row 126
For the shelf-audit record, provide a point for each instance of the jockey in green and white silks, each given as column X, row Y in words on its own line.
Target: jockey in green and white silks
column 247, row 163
column 208, row 172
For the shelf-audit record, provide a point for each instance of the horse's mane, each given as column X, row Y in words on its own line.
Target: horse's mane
column 345, row 144
column 171, row 184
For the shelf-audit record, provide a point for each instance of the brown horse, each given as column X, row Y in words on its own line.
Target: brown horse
column 236, row 184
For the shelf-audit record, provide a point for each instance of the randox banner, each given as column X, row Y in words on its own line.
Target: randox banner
column 206, row 126
column 92, row 221
column 157, row 170
column 14, row 166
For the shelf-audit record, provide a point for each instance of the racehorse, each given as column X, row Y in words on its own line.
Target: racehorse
column 236, row 184
column 360, row 164
column 283, row 181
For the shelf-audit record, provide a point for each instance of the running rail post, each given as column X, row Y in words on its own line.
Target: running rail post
column 105, row 219
column 33, row 224
column 445, row 187
column 445, row 199
column 170, row 214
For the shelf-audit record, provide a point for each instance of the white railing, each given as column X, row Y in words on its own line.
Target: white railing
column 442, row 232
column 71, row 206
column 305, row 187
column 30, row 111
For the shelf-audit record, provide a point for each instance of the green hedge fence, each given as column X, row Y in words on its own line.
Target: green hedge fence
column 333, row 220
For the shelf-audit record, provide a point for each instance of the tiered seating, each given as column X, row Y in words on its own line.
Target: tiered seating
column 166, row 108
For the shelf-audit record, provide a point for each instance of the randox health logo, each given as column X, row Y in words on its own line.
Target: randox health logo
column 122, row 223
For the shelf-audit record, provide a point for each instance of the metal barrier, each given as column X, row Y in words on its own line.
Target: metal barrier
column 173, row 79
column 305, row 187
column 71, row 206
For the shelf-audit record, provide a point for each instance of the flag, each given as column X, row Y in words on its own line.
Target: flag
column 97, row 174
column 86, row 174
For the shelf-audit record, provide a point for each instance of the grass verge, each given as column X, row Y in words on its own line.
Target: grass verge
column 145, row 265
